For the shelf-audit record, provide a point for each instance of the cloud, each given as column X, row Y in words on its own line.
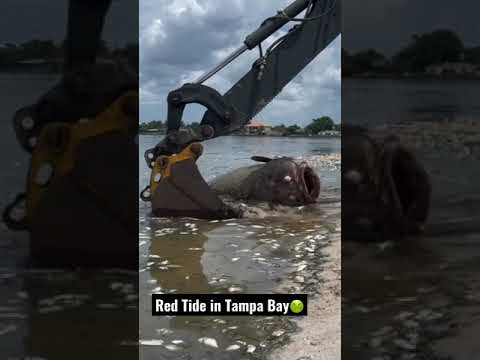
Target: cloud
column 181, row 39
column 389, row 25
column 24, row 20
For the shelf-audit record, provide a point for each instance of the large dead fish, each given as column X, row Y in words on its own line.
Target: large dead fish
column 385, row 189
column 282, row 181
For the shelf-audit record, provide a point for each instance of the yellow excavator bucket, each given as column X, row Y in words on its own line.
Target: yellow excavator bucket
column 178, row 189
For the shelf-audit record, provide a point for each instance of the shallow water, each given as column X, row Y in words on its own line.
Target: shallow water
column 87, row 306
column 398, row 300
column 251, row 255
column 436, row 274
column 401, row 299
column 46, row 313
column 383, row 101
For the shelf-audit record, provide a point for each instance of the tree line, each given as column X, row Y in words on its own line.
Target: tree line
column 49, row 50
column 316, row 126
column 426, row 49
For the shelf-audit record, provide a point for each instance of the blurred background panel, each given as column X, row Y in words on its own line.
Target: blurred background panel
column 410, row 194
column 68, row 278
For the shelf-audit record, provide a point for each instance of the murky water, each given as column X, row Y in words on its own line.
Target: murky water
column 400, row 300
column 414, row 290
column 52, row 314
column 253, row 255
column 385, row 101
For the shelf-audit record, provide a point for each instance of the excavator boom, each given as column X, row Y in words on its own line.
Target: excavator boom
column 289, row 54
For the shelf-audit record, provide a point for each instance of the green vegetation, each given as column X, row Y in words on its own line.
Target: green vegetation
column 434, row 48
column 153, row 126
column 293, row 130
column 316, row 127
column 12, row 55
column 324, row 123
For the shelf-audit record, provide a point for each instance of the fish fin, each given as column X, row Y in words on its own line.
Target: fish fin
column 263, row 159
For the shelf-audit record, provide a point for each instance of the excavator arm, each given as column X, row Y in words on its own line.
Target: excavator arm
column 173, row 161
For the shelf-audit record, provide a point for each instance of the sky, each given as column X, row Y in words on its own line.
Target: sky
column 389, row 25
column 23, row 20
column 181, row 39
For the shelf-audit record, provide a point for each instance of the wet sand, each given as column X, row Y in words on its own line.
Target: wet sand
column 319, row 335
column 250, row 255
column 301, row 246
column 464, row 345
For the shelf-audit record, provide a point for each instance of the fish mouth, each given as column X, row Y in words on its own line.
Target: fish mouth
column 310, row 183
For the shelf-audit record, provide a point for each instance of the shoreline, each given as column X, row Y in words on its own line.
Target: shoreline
column 259, row 136
column 318, row 335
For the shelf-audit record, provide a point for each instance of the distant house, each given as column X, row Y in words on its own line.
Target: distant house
column 255, row 127
column 457, row 68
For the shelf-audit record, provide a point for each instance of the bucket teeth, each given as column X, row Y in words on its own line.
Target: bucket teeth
column 179, row 190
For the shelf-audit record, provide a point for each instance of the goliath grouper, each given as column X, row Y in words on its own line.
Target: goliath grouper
column 282, row 181
column 386, row 190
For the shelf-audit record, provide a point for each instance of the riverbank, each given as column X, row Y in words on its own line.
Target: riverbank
column 294, row 136
column 318, row 335
column 161, row 133
column 460, row 139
